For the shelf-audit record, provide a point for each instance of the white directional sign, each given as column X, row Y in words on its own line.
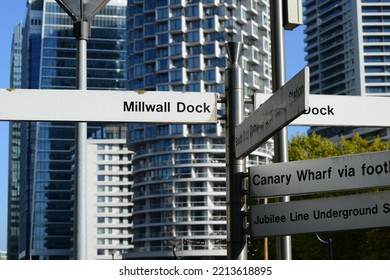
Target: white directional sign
column 321, row 175
column 107, row 106
column 335, row 110
column 279, row 110
column 318, row 215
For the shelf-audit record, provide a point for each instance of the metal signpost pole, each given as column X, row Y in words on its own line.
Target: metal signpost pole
column 81, row 12
column 236, row 204
column 278, row 80
column 80, row 28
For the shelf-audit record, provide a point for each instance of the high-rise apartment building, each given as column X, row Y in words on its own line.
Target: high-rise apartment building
column 47, row 148
column 179, row 170
column 348, row 45
column 109, row 194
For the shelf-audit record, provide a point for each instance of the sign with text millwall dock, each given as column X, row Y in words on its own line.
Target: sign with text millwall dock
column 279, row 110
column 366, row 170
column 370, row 210
column 335, row 110
column 107, row 106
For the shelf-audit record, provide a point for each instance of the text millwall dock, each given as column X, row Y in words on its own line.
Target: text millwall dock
column 164, row 107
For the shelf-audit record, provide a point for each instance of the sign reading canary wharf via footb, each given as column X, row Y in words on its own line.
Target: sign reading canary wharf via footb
column 318, row 215
column 359, row 171
column 107, row 106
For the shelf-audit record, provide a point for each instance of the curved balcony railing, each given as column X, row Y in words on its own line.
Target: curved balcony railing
column 178, row 148
column 139, row 180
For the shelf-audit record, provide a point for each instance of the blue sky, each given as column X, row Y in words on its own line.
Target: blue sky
column 14, row 11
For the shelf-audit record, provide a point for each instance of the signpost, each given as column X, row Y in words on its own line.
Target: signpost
column 278, row 16
column 279, row 110
column 81, row 12
column 235, row 198
column 335, row 110
column 319, row 215
column 108, row 106
column 359, row 171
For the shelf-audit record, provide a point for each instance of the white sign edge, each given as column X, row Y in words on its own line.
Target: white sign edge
column 24, row 104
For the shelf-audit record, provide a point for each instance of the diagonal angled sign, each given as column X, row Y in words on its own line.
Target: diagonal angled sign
column 289, row 102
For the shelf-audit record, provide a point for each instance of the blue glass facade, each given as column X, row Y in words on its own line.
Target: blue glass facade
column 14, row 157
column 50, row 61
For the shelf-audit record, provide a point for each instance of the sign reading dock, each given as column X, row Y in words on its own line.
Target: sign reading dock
column 359, row 171
column 336, row 110
column 107, row 106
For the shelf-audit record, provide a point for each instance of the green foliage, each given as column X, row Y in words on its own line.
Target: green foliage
column 314, row 146
column 362, row 244
column 310, row 147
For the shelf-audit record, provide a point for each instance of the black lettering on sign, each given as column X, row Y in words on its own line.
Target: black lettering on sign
column 324, row 111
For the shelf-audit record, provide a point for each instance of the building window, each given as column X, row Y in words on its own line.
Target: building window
column 100, row 252
column 208, row 23
column 150, row 29
column 162, row 64
column 176, row 75
column 175, row 24
column 162, row 13
column 177, row 129
column 100, row 178
column 192, row 11
column 193, row 87
column 162, row 39
column 209, row 75
column 209, row 49
column 100, row 157
column 150, row 55
column 193, row 62
column 175, row 49
column 193, row 36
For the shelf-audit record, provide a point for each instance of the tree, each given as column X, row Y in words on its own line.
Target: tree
column 314, row 146
column 304, row 147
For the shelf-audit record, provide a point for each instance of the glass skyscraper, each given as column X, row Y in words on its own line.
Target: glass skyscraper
column 179, row 170
column 14, row 155
column 47, row 171
column 348, row 42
